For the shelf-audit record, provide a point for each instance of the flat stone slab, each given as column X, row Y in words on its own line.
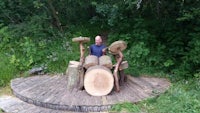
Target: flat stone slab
column 11, row 104
column 51, row 92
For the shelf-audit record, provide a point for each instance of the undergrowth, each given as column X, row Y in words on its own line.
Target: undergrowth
column 182, row 97
column 1, row 111
column 7, row 71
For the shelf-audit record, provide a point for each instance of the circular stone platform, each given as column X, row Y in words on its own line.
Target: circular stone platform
column 51, row 92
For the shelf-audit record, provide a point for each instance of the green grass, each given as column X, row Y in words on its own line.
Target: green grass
column 7, row 71
column 126, row 108
column 1, row 111
column 182, row 97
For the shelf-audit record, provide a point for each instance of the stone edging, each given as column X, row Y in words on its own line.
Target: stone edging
column 76, row 108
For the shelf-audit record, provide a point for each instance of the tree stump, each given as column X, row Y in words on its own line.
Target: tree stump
column 98, row 81
column 72, row 75
column 90, row 61
column 78, row 74
column 105, row 61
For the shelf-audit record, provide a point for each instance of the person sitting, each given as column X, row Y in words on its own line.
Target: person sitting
column 98, row 49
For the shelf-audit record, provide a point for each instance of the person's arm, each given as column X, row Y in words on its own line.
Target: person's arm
column 104, row 50
column 90, row 50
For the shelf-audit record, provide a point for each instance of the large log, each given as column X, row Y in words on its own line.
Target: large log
column 123, row 65
column 98, row 81
column 72, row 74
column 105, row 61
column 90, row 61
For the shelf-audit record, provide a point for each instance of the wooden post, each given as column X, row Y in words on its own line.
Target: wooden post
column 80, row 68
column 122, row 75
column 116, row 49
column 72, row 75
column 75, row 71
column 115, row 73
column 82, row 51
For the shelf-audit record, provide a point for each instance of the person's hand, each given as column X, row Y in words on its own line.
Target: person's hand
column 104, row 50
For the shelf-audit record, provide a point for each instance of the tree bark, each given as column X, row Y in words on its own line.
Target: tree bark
column 80, row 66
column 115, row 73
column 123, row 65
column 98, row 81
column 90, row 61
column 105, row 61
column 72, row 74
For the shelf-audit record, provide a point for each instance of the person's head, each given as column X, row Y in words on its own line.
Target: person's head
column 98, row 40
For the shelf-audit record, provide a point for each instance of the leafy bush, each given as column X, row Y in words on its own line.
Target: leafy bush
column 28, row 52
column 7, row 72
column 137, row 56
column 160, row 36
column 182, row 97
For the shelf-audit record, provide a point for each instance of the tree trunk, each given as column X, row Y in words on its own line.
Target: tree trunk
column 72, row 75
column 90, row 61
column 115, row 73
column 98, row 81
column 105, row 61
column 54, row 15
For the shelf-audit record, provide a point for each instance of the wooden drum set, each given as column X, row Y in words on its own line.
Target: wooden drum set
column 97, row 78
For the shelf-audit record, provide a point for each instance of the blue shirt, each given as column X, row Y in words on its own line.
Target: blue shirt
column 97, row 50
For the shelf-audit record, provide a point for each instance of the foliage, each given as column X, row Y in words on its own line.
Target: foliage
column 126, row 107
column 161, row 35
column 1, row 111
column 7, row 72
column 182, row 97
column 29, row 52
column 137, row 56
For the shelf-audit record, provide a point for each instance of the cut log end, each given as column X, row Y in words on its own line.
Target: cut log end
column 98, row 81
column 90, row 61
column 81, row 39
column 72, row 76
column 117, row 46
column 105, row 61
